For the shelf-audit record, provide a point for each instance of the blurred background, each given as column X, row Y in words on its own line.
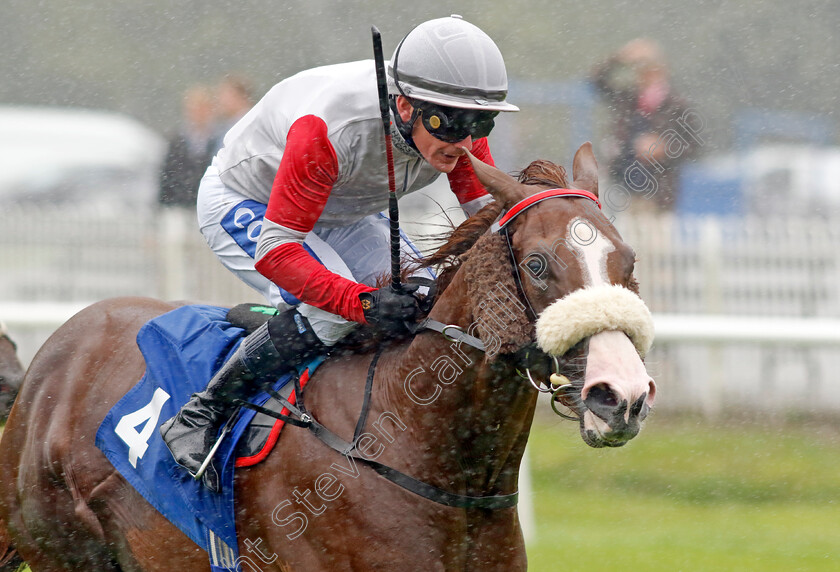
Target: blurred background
column 716, row 129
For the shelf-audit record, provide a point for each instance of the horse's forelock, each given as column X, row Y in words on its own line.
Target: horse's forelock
column 544, row 173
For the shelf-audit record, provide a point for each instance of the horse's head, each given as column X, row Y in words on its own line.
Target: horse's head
column 576, row 274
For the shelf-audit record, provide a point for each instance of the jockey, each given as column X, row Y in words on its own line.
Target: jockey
column 291, row 204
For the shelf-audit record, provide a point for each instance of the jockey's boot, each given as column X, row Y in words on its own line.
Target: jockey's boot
column 279, row 345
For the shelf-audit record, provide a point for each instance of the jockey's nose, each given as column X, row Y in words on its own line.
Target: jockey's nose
column 465, row 143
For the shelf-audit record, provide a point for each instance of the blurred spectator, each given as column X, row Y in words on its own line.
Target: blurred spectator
column 191, row 149
column 643, row 104
column 234, row 98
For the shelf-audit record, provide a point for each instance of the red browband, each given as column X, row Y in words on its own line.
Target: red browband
column 541, row 196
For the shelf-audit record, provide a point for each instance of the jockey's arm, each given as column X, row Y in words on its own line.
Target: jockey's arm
column 464, row 183
column 304, row 180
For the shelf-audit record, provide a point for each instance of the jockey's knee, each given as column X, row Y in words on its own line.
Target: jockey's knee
column 329, row 328
column 291, row 327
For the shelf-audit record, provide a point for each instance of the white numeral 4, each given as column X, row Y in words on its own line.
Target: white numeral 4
column 126, row 429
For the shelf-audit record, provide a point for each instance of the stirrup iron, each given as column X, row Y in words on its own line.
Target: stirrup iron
column 209, row 458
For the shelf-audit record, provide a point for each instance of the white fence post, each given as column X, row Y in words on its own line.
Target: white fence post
column 711, row 248
column 173, row 253
column 527, row 518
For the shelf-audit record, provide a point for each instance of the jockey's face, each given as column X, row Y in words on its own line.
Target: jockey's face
column 440, row 154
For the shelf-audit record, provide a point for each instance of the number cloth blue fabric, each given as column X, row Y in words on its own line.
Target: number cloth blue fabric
column 183, row 349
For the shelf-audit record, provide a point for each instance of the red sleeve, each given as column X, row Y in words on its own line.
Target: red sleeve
column 462, row 179
column 295, row 271
column 307, row 173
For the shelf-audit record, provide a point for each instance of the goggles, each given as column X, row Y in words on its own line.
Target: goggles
column 451, row 124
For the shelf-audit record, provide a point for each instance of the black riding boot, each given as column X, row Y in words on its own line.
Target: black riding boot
column 279, row 345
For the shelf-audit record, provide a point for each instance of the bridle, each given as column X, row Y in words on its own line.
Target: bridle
column 531, row 200
column 453, row 332
column 501, row 226
column 557, row 383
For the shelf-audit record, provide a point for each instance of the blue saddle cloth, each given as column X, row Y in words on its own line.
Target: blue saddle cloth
column 183, row 349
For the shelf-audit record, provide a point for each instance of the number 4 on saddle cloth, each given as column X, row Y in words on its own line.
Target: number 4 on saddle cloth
column 183, row 349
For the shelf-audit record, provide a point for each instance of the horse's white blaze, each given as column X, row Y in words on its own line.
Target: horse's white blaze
column 613, row 360
column 593, row 248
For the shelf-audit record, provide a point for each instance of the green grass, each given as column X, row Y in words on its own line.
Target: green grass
column 688, row 496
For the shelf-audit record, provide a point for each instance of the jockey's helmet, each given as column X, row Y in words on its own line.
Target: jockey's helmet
column 452, row 63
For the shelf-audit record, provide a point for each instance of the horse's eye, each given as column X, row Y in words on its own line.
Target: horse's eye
column 536, row 266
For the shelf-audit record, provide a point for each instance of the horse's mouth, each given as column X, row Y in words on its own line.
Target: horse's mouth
column 623, row 424
column 605, row 417
column 597, row 439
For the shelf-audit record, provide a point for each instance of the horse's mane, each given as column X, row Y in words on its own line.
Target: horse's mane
column 447, row 259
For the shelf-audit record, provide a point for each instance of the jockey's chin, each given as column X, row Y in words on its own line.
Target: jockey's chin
column 441, row 155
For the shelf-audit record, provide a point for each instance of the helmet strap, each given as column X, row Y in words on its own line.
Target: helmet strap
column 404, row 127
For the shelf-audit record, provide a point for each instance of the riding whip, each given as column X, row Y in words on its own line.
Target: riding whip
column 393, row 209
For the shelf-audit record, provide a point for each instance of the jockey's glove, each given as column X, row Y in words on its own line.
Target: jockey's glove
column 391, row 311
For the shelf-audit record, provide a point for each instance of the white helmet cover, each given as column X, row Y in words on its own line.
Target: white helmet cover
column 450, row 62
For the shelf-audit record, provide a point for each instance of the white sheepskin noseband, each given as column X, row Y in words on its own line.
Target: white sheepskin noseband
column 589, row 311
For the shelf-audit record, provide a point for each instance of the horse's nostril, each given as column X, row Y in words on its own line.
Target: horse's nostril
column 602, row 395
column 605, row 403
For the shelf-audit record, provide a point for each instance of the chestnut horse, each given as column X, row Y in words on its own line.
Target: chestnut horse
column 446, row 413
column 11, row 372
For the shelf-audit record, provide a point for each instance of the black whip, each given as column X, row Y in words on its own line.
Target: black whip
column 393, row 209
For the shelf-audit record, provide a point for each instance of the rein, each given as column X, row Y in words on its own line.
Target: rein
column 302, row 418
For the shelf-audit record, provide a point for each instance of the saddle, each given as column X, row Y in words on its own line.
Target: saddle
column 182, row 349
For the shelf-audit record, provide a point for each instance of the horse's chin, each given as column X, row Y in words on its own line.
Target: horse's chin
column 597, row 433
column 596, row 441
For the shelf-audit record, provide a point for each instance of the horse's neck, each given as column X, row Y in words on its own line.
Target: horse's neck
column 470, row 417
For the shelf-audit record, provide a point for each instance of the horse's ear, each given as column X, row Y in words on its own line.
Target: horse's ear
column 585, row 169
column 504, row 188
